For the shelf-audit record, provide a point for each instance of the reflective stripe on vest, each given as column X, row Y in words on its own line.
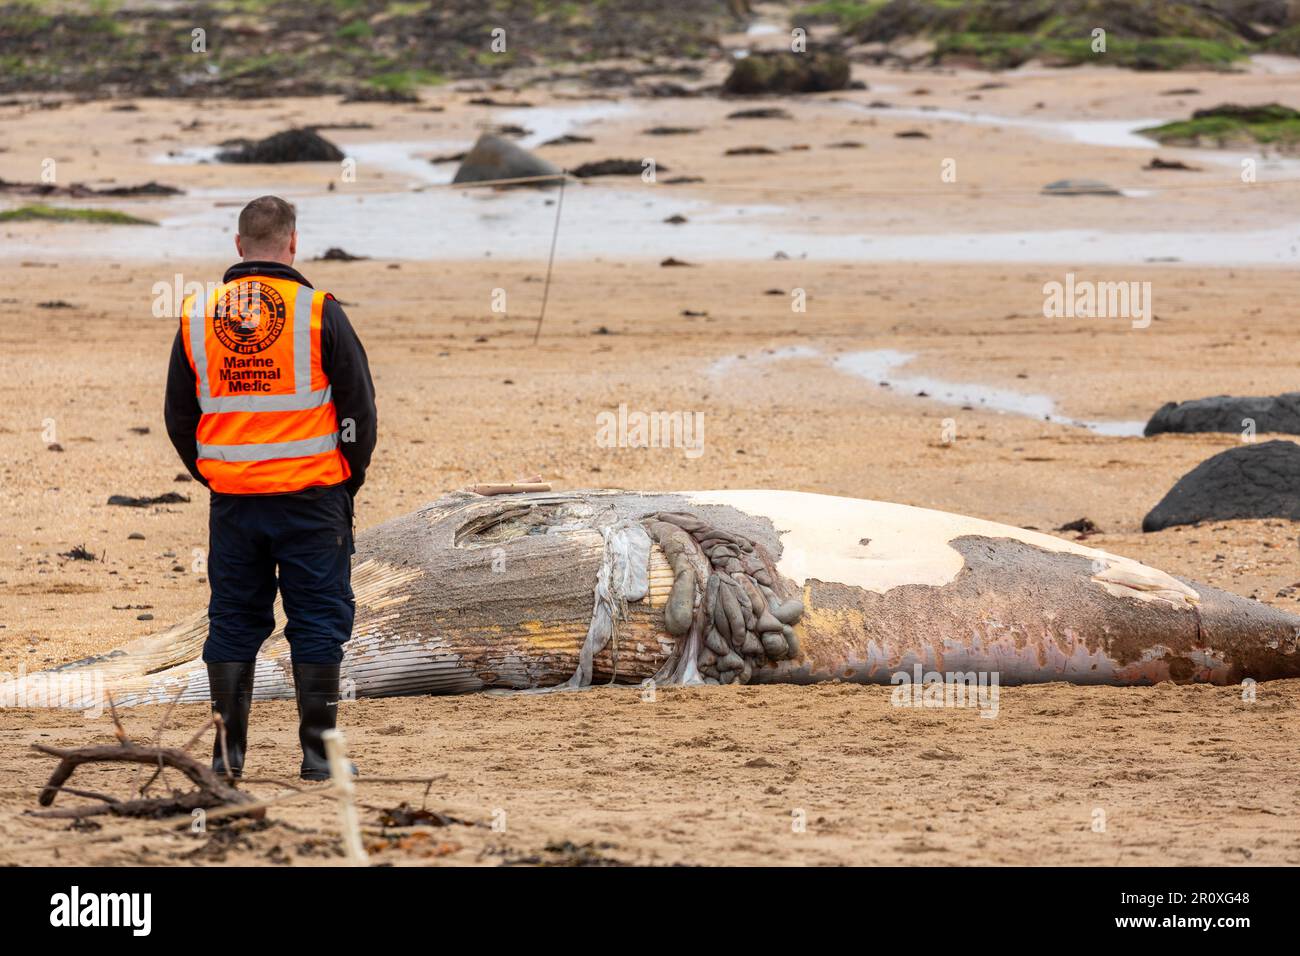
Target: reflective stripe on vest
column 268, row 450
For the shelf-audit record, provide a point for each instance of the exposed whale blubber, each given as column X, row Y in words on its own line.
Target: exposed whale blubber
column 561, row 589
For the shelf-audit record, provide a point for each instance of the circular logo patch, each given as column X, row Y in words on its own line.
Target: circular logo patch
column 249, row 318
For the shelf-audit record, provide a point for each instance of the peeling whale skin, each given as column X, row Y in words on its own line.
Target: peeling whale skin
column 473, row 593
column 1034, row 617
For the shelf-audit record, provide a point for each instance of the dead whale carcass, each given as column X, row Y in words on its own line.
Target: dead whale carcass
column 565, row 589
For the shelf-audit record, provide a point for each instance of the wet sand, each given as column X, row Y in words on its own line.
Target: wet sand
column 1183, row 774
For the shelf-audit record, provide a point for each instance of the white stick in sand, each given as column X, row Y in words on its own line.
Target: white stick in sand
column 341, row 777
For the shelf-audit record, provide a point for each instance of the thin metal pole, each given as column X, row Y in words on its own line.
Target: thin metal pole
column 550, row 262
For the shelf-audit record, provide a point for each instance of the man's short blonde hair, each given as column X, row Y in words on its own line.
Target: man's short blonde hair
column 266, row 223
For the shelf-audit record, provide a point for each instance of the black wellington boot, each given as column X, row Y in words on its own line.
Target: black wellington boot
column 316, row 687
column 230, row 684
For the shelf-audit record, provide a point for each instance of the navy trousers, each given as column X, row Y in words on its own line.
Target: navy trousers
column 307, row 538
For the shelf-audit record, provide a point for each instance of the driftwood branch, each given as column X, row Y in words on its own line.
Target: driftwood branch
column 151, row 807
column 257, row 808
column 90, row 795
column 510, row 487
column 157, row 742
column 118, row 730
column 199, row 733
column 214, row 793
column 212, row 790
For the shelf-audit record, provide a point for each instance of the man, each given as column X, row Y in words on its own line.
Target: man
column 270, row 404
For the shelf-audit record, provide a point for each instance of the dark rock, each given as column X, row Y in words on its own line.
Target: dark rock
column 788, row 73
column 761, row 112
column 614, row 167
column 1250, row 481
column 670, row 261
column 494, row 158
column 167, row 498
column 676, row 220
column 151, row 188
column 912, row 134
column 80, row 191
column 489, row 101
column 335, row 254
column 55, row 304
column 1081, row 525
column 1158, row 163
column 568, row 139
column 1225, row 413
column 671, row 130
column 1080, row 187
column 750, row 151
column 623, row 76
column 681, row 180
column 33, row 189
column 290, row 146
column 372, row 94
column 667, row 90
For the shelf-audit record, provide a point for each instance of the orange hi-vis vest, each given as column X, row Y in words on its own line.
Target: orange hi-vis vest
column 268, row 422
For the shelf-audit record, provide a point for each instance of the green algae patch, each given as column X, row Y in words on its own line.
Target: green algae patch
column 1221, row 127
column 40, row 212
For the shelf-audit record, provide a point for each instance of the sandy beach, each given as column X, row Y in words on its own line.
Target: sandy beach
column 922, row 370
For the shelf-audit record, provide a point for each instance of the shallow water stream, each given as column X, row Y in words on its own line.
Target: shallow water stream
column 416, row 216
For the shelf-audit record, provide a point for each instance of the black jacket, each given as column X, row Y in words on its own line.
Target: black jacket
column 343, row 360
